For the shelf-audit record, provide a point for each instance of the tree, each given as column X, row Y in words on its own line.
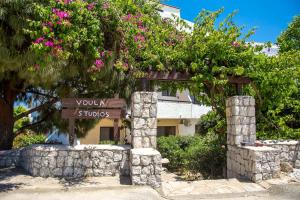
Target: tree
column 276, row 81
column 290, row 38
column 54, row 49
column 218, row 52
column 213, row 53
column 16, row 61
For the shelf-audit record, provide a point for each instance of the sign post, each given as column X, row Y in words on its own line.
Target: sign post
column 81, row 108
column 71, row 131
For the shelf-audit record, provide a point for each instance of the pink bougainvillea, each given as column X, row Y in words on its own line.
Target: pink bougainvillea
column 235, row 44
column 39, row 40
column 99, row 63
column 139, row 38
column 91, row 6
column 105, row 5
column 49, row 43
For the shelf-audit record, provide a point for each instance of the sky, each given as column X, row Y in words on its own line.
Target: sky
column 270, row 17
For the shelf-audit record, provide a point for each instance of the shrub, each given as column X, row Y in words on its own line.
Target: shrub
column 29, row 139
column 208, row 156
column 204, row 154
column 173, row 148
column 211, row 122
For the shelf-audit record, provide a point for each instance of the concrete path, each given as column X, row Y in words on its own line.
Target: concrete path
column 15, row 185
column 128, row 193
column 211, row 189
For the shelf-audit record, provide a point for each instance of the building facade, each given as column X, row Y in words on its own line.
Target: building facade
column 177, row 114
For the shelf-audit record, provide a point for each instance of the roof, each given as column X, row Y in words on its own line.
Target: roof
column 170, row 6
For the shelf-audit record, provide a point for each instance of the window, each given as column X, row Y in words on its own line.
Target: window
column 106, row 133
column 168, row 93
column 166, row 130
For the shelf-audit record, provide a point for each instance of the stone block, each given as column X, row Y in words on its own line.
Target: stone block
column 257, row 177
column 137, row 110
column 62, row 153
column 137, row 142
column 69, row 162
column 145, row 113
column 57, row 172
column 68, row 171
column 146, row 142
column 153, row 111
column 297, row 164
column 251, row 111
column 145, row 160
column 108, row 154
column 136, row 170
column 154, row 97
column 136, row 98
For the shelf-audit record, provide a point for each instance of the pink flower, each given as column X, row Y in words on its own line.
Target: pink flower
column 67, row 1
column 125, row 66
column 99, row 63
column 105, row 5
column 60, row 14
column 91, row 6
column 49, row 44
column 138, row 15
column 235, row 44
column 139, row 38
column 140, row 23
column 127, row 17
column 39, row 40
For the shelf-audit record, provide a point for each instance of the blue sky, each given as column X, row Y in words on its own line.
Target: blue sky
column 270, row 17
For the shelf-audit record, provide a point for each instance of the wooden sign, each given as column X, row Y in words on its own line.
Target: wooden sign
column 83, row 108
column 92, row 113
column 93, row 103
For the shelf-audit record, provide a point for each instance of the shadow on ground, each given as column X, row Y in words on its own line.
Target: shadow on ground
column 16, row 178
column 68, row 182
column 7, row 174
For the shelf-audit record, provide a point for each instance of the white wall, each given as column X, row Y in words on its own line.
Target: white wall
column 189, row 130
column 180, row 110
column 169, row 11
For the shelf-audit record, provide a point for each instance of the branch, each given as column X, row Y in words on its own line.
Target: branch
column 31, row 125
column 40, row 93
column 40, row 107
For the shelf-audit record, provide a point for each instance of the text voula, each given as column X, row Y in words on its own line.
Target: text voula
column 96, row 103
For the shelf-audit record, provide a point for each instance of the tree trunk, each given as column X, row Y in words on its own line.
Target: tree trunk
column 7, row 117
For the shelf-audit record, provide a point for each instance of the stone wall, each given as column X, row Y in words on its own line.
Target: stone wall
column 10, row 158
column 289, row 151
column 254, row 163
column 240, row 117
column 142, row 163
column 145, row 161
column 144, row 120
column 244, row 159
column 145, row 167
column 78, row 161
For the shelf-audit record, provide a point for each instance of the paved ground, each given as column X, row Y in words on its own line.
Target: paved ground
column 15, row 185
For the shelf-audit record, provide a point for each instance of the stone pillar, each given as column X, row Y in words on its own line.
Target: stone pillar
column 249, row 161
column 145, row 167
column 145, row 161
column 240, row 115
column 144, row 119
